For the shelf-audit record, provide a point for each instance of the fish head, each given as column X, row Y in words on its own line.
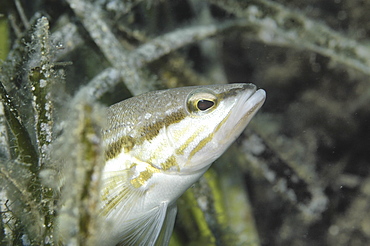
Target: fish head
column 214, row 116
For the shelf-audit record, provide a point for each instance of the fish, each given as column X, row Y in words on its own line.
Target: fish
column 159, row 144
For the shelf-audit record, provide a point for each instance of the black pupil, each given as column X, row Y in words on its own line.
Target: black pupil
column 205, row 104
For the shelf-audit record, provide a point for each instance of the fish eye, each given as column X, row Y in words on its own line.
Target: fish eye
column 205, row 104
column 201, row 101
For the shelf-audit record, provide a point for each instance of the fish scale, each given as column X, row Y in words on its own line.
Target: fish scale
column 157, row 145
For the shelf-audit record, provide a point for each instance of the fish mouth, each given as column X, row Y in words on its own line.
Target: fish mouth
column 253, row 101
column 249, row 102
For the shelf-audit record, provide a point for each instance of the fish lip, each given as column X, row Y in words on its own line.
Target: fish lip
column 253, row 95
column 252, row 103
column 258, row 96
column 249, row 104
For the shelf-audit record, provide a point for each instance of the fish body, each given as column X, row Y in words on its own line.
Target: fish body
column 157, row 145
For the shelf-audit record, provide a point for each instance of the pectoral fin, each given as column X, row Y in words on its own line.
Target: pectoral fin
column 167, row 228
column 145, row 229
